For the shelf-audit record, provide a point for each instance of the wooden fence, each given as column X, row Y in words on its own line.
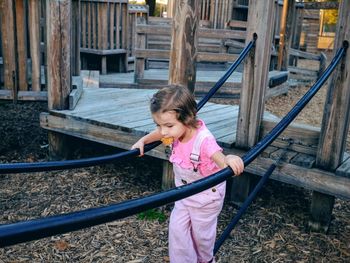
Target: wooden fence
column 104, row 26
column 22, row 48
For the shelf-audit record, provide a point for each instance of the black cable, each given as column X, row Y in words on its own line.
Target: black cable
column 11, row 234
column 228, row 73
column 71, row 164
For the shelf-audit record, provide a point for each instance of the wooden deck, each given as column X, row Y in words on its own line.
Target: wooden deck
column 205, row 79
column 118, row 117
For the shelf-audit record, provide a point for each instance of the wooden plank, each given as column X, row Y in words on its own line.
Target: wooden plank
column 344, row 169
column 255, row 74
column 21, row 45
column 182, row 66
column 8, row 43
column 304, row 160
column 34, row 38
column 76, row 92
column 94, row 132
column 59, row 48
column 321, row 5
column 24, row 95
column 303, row 54
column 103, row 52
column 336, row 116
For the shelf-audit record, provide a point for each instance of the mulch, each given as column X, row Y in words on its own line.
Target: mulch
column 274, row 229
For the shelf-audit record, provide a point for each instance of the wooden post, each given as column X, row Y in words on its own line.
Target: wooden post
column 34, row 38
column 182, row 67
column 140, row 44
column 296, row 34
column 58, row 15
column 254, row 83
column 76, row 38
column 255, row 73
column 285, row 38
column 21, row 45
column 8, row 43
column 335, row 122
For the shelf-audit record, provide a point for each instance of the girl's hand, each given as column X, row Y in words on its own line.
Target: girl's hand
column 236, row 163
column 140, row 144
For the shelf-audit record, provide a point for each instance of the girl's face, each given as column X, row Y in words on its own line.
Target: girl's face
column 170, row 127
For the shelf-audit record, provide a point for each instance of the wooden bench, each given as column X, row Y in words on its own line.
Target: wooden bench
column 104, row 29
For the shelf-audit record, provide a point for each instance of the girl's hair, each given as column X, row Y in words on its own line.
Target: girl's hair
column 176, row 98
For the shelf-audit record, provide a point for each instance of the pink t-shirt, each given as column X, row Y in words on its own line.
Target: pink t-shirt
column 181, row 153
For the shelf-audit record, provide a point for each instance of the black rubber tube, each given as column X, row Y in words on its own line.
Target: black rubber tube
column 70, row 164
column 243, row 208
column 228, row 73
column 15, row 233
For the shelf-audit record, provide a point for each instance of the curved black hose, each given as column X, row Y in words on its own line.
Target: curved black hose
column 11, row 234
column 70, row 164
column 243, row 208
column 278, row 129
column 228, row 73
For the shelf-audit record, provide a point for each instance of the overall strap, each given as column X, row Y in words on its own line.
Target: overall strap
column 195, row 154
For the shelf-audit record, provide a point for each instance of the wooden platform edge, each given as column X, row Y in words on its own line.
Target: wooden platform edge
column 312, row 179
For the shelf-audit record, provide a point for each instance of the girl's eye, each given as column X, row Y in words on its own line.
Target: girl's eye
column 169, row 126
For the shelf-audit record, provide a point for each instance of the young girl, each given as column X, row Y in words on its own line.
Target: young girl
column 195, row 154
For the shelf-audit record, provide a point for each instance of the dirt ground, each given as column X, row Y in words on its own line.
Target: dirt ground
column 274, row 229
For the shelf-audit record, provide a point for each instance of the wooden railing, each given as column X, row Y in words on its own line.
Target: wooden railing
column 314, row 65
column 22, row 41
column 153, row 42
column 104, row 32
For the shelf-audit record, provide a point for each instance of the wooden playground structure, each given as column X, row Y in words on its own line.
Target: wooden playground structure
column 125, row 55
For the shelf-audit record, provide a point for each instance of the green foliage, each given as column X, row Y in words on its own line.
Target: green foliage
column 152, row 215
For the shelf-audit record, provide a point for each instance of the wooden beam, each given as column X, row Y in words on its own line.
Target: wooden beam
column 58, row 15
column 255, row 74
column 182, row 68
column 321, row 5
column 21, row 45
column 335, row 122
column 8, row 43
column 255, row 80
column 34, row 38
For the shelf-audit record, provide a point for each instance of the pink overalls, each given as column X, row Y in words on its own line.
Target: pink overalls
column 193, row 221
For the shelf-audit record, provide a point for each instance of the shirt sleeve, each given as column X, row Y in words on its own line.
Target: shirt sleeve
column 209, row 147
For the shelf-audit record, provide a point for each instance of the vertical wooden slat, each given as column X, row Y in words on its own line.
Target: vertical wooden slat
column 59, row 47
column 94, row 25
column 117, row 25
column 76, row 39
column 83, row 18
column 8, row 42
column 21, row 44
column 140, row 44
column 335, row 122
column 104, row 25
column 182, row 67
column 255, row 80
column 34, row 39
column 89, row 26
column 111, row 25
column 124, row 25
column 255, row 74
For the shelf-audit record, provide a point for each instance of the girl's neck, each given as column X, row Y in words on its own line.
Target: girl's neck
column 189, row 133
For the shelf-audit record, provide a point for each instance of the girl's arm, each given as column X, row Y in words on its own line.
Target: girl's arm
column 235, row 162
column 151, row 137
